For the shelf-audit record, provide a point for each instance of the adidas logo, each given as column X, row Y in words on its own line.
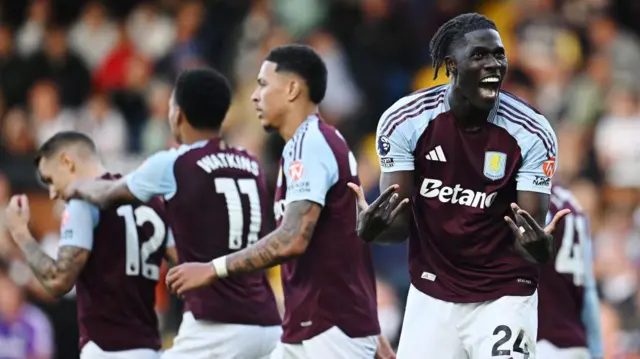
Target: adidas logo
column 436, row 154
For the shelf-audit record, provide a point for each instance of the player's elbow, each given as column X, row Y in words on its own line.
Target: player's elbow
column 59, row 287
column 296, row 247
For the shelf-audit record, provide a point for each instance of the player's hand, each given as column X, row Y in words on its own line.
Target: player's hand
column 533, row 242
column 374, row 218
column 189, row 276
column 18, row 214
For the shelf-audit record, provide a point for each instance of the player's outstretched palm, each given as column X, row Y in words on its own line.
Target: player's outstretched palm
column 533, row 242
column 374, row 218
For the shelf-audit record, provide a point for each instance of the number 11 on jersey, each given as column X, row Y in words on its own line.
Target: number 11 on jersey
column 249, row 187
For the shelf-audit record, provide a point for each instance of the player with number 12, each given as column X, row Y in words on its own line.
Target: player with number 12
column 112, row 256
column 215, row 197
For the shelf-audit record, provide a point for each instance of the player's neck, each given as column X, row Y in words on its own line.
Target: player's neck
column 294, row 118
column 191, row 137
column 467, row 115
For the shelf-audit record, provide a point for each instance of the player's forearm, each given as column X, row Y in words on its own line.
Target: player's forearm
column 290, row 240
column 46, row 270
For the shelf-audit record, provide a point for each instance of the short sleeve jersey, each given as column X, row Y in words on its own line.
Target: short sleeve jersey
column 116, row 288
column 332, row 283
column 460, row 248
column 216, row 202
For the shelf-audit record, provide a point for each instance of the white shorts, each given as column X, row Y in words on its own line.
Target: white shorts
column 200, row 339
column 332, row 343
column 504, row 328
column 92, row 351
column 547, row 350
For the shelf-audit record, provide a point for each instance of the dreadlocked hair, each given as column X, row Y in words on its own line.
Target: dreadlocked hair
column 452, row 31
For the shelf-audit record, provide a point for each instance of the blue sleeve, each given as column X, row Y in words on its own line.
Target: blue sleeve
column 591, row 309
column 154, row 177
column 538, row 165
column 310, row 169
column 79, row 219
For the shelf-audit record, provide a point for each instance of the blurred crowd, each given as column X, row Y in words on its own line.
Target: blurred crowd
column 107, row 68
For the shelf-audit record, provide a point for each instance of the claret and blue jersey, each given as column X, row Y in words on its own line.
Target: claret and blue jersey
column 460, row 248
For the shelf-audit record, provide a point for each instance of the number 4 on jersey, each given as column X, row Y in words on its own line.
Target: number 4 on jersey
column 570, row 258
column 135, row 252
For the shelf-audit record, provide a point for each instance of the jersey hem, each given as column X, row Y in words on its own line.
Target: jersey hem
column 474, row 297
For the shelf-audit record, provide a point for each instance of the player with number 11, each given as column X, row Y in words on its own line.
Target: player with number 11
column 215, row 197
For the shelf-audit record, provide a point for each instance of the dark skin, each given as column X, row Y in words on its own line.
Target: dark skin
column 478, row 56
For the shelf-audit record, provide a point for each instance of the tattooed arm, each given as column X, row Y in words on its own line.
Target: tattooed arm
column 288, row 241
column 57, row 276
column 76, row 241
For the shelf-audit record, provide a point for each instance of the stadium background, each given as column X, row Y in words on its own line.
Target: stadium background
column 107, row 68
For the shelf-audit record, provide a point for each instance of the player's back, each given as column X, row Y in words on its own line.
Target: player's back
column 116, row 288
column 332, row 283
column 460, row 248
column 218, row 208
column 561, row 285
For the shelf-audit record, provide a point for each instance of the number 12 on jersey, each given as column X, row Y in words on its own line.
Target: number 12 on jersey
column 249, row 187
column 136, row 252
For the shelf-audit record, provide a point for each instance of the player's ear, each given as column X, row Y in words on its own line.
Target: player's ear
column 450, row 64
column 294, row 88
column 67, row 162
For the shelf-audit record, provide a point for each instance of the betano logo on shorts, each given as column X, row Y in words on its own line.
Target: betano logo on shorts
column 433, row 188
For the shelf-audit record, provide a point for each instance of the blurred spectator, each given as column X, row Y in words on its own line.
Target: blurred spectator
column 64, row 68
column 188, row 51
column 152, row 32
column 47, row 114
column 30, row 35
column 17, row 146
column 93, row 35
column 621, row 46
column 105, row 125
column 12, row 82
column 343, row 98
column 616, row 139
column 114, row 71
column 25, row 332
column 156, row 133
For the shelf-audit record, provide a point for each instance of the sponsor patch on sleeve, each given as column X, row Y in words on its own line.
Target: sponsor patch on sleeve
column 296, row 170
column 386, row 162
column 549, row 167
column 541, row 181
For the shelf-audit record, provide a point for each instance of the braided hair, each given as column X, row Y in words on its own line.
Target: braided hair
column 452, row 31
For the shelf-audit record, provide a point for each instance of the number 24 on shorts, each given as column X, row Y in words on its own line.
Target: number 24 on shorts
column 500, row 347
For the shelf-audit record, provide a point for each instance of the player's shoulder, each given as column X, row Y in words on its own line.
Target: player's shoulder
column 518, row 113
column 309, row 139
column 425, row 104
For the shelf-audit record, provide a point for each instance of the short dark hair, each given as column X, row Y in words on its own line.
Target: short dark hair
column 452, row 31
column 61, row 140
column 303, row 61
column 204, row 96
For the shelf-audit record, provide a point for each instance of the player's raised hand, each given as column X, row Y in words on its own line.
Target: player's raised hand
column 18, row 213
column 533, row 242
column 189, row 276
column 374, row 218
